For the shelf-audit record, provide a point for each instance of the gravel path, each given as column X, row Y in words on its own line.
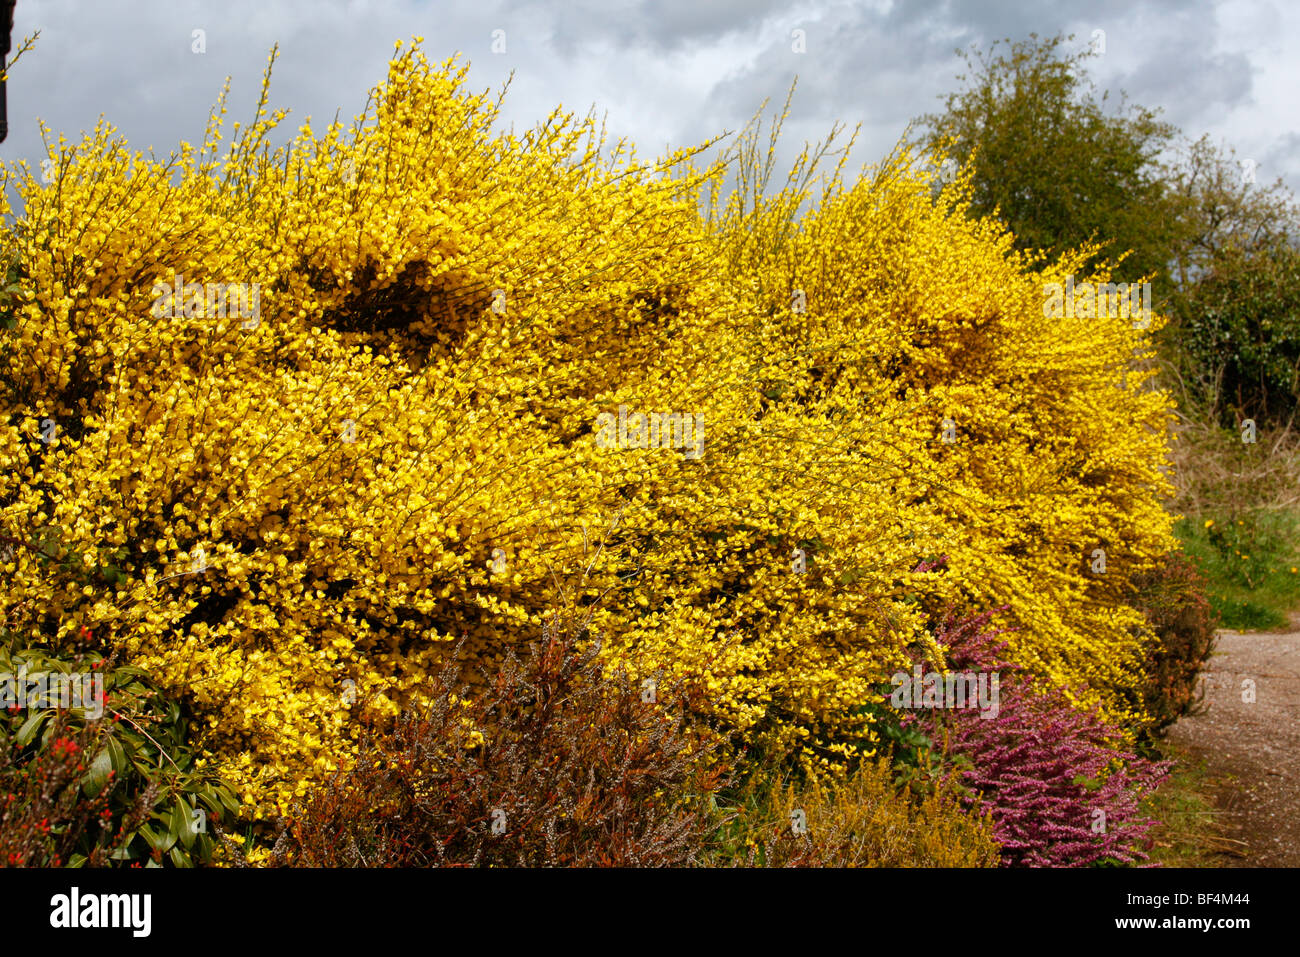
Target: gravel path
column 1251, row 748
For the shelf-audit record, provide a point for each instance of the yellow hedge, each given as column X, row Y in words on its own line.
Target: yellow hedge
column 410, row 433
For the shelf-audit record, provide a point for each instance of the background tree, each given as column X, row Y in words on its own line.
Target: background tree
column 1224, row 209
column 1053, row 164
column 1047, row 158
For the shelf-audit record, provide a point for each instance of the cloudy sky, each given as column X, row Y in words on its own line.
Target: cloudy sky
column 665, row 71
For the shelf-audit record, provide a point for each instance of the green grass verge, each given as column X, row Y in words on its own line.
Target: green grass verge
column 1251, row 563
column 1187, row 832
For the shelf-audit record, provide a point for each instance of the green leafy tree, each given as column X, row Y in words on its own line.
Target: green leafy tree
column 1225, row 211
column 1047, row 157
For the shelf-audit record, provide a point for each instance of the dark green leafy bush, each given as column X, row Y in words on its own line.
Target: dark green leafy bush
column 119, row 789
column 1241, row 333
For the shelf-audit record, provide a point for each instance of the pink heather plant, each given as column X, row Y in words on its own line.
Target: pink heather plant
column 1061, row 790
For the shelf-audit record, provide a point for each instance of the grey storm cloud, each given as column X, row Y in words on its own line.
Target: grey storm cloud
column 662, row 24
column 665, row 72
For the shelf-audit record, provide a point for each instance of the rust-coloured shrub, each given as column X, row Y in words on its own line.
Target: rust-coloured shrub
column 1173, row 598
column 558, row 763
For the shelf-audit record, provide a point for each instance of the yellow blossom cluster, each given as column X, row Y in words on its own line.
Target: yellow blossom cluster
column 289, row 425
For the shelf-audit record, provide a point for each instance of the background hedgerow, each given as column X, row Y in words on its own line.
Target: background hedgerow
column 396, row 466
column 559, row 762
column 1241, row 335
column 1057, row 781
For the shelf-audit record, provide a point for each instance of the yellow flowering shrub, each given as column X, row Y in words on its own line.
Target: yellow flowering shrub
column 1028, row 443
column 284, row 423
